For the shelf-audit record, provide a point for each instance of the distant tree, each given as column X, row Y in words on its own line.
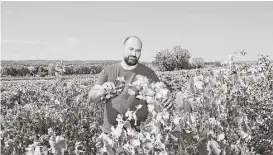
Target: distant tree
column 217, row 63
column 176, row 58
column 22, row 71
column 92, row 71
column 182, row 57
column 95, row 69
column 33, row 70
column 165, row 60
column 84, row 70
column 12, row 71
column 68, row 70
column 76, row 69
column 197, row 62
column 5, row 71
column 42, row 72
column 51, row 69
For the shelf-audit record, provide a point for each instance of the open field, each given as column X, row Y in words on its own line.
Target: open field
column 240, row 104
column 65, row 77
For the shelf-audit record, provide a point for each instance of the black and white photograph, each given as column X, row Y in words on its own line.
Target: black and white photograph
column 136, row 78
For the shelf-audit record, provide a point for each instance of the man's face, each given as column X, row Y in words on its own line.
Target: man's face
column 132, row 51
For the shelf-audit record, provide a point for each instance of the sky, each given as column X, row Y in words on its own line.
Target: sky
column 96, row 30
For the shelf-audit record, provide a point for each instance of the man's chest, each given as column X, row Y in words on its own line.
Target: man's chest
column 126, row 75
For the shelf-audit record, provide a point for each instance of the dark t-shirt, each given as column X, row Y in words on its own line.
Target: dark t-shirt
column 121, row 103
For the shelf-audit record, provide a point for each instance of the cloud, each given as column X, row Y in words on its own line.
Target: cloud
column 8, row 41
column 36, row 42
column 7, row 11
column 32, row 42
column 72, row 40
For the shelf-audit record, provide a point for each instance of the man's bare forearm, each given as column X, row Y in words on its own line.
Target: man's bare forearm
column 96, row 93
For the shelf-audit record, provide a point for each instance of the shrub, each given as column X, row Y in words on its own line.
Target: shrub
column 30, row 109
column 175, row 59
column 197, row 62
column 95, row 69
column 182, row 57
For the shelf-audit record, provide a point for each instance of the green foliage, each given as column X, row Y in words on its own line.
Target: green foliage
column 174, row 59
column 165, row 60
column 5, row 63
column 197, row 62
column 30, row 109
column 182, row 57
column 225, row 109
column 42, row 71
column 49, row 70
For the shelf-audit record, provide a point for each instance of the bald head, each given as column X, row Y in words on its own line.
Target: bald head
column 131, row 39
column 132, row 50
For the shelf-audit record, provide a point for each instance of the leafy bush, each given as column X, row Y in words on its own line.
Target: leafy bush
column 165, row 60
column 182, row 57
column 197, row 62
column 169, row 60
column 8, row 71
column 95, row 69
column 42, row 71
column 29, row 110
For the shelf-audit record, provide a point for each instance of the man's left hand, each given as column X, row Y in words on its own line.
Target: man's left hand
column 167, row 102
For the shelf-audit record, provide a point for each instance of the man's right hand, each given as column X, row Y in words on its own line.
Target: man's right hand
column 108, row 86
column 99, row 142
column 98, row 91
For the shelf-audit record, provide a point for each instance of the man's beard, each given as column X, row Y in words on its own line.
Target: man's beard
column 131, row 60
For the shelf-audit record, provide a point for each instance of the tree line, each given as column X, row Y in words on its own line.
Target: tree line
column 49, row 70
column 175, row 58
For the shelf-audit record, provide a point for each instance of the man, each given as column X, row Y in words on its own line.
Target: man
column 128, row 68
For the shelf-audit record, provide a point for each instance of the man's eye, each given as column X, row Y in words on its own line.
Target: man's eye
column 138, row 50
column 131, row 48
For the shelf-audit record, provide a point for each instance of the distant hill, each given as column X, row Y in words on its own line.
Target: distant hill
column 5, row 63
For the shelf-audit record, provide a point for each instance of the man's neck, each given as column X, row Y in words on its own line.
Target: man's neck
column 127, row 67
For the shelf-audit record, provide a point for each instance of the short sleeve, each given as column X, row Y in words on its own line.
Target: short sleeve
column 148, row 72
column 102, row 78
column 154, row 77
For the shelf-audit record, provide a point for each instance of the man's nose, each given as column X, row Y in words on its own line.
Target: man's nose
column 134, row 52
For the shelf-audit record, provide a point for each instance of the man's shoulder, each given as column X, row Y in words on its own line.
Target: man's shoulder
column 145, row 67
column 148, row 72
column 111, row 66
